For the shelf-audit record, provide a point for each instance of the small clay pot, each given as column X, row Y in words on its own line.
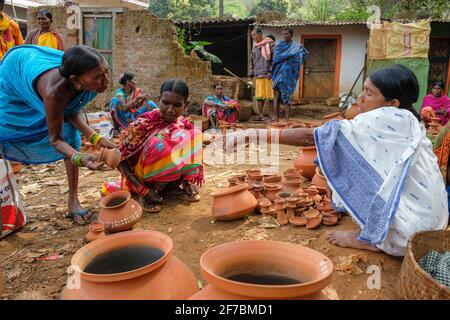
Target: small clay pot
column 284, row 195
column 292, row 186
column 314, row 223
column 324, row 206
column 96, row 231
column 232, row 203
column 111, row 157
column 311, row 214
column 292, row 174
column 271, row 190
column 118, row 212
column 319, row 180
column 273, row 179
column 298, row 221
column 305, row 161
column 329, row 220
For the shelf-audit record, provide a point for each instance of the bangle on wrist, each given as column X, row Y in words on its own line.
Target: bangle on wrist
column 95, row 138
column 76, row 159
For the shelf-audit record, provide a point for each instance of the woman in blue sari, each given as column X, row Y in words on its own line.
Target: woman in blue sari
column 128, row 102
column 42, row 91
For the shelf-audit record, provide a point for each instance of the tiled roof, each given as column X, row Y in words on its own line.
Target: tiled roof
column 211, row 21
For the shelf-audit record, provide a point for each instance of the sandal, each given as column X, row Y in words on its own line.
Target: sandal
column 149, row 208
column 81, row 217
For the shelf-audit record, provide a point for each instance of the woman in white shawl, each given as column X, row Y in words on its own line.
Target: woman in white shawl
column 379, row 166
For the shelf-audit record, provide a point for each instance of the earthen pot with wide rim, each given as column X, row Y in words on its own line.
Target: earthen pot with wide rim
column 273, row 178
column 118, row 212
column 311, row 268
column 292, row 185
column 352, row 112
column 232, row 203
column 96, row 231
column 164, row 279
column 319, row 180
column 305, row 161
column 111, row 157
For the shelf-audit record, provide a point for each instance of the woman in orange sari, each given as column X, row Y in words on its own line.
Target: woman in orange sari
column 10, row 35
column 441, row 148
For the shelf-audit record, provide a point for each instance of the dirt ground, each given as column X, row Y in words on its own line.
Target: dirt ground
column 34, row 260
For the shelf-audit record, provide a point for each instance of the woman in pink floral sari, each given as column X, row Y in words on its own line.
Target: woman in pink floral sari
column 436, row 104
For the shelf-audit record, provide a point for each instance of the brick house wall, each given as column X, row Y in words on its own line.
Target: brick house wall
column 146, row 46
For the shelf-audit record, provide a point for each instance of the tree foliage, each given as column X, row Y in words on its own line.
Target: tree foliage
column 322, row 10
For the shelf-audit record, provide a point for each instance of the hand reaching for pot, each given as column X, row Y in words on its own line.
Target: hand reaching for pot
column 91, row 162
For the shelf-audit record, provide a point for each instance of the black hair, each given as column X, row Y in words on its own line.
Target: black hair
column 290, row 30
column 46, row 13
column 124, row 77
column 177, row 86
column 438, row 83
column 257, row 30
column 271, row 36
column 79, row 60
column 397, row 82
column 216, row 84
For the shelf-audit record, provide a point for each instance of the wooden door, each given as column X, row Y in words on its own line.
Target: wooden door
column 439, row 57
column 319, row 70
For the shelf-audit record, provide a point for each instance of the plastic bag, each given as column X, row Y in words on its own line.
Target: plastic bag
column 102, row 123
column 12, row 214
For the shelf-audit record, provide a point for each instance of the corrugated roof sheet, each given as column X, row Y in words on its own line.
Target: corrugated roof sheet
column 211, row 21
column 292, row 23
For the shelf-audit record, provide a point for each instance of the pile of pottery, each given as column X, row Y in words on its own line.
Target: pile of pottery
column 434, row 126
column 274, row 195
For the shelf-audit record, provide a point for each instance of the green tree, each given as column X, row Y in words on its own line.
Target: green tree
column 270, row 5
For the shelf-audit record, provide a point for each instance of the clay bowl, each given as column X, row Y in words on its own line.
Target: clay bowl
column 111, row 157
column 311, row 267
column 233, row 203
column 298, row 221
column 273, row 178
column 311, row 214
column 331, row 214
column 314, row 223
column 329, row 220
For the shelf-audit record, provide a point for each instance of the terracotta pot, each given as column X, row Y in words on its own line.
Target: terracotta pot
column 352, row 112
column 273, row 179
column 111, row 157
column 264, row 204
column 311, row 268
column 329, row 220
column 163, row 279
column 118, row 212
column 292, row 174
column 314, row 223
column 232, row 203
column 254, row 177
column 311, row 214
column 284, row 195
column 96, row 231
column 324, row 206
column 319, row 180
column 305, row 161
column 16, row 166
column 291, row 204
column 292, row 186
column 271, row 190
column 298, row 221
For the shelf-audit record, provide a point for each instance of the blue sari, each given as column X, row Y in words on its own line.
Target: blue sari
column 124, row 118
column 287, row 58
column 23, row 128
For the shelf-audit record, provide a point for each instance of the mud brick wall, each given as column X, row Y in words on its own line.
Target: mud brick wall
column 148, row 47
column 60, row 17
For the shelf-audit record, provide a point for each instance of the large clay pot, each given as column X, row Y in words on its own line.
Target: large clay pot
column 305, row 161
column 311, row 268
column 352, row 112
column 111, row 157
column 319, row 180
column 119, row 212
column 232, row 203
column 167, row 278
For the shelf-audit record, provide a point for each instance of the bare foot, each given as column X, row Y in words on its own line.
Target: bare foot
column 348, row 239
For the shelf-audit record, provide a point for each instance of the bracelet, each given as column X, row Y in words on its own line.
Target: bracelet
column 76, row 159
column 95, row 138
